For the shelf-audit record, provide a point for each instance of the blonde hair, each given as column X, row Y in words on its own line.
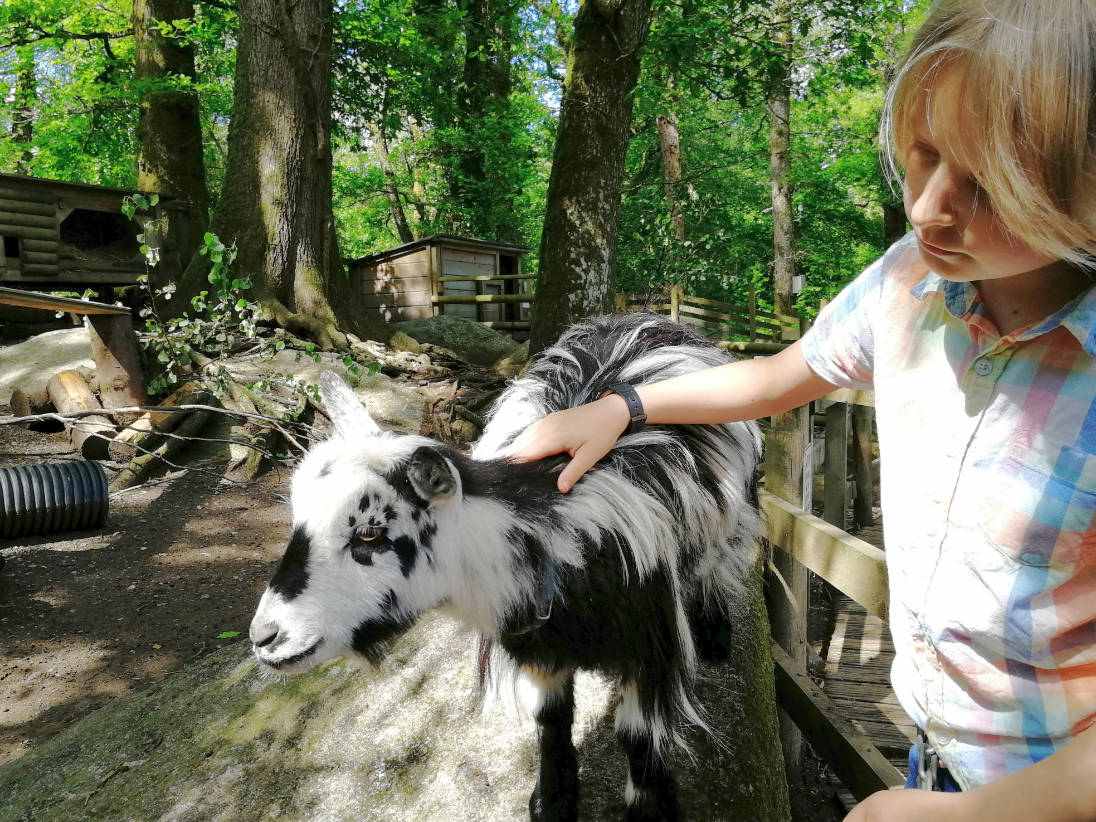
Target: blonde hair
column 1028, row 87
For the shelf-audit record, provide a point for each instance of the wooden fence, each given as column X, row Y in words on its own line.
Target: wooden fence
column 805, row 542
column 721, row 321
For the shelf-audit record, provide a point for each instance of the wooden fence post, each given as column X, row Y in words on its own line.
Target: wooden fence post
column 786, row 445
column 837, row 444
column 676, row 293
column 752, row 309
column 862, row 510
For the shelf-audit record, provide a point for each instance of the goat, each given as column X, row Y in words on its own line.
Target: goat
column 630, row 573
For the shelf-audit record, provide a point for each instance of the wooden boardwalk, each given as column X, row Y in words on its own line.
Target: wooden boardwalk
column 857, row 678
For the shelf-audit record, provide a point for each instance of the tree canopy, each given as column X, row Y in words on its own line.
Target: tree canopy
column 444, row 117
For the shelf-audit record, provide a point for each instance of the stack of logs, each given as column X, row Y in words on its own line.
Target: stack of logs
column 140, row 440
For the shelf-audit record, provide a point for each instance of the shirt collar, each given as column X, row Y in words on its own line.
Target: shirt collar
column 1078, row 316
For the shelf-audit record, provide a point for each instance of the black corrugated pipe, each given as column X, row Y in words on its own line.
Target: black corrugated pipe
column 49, row 497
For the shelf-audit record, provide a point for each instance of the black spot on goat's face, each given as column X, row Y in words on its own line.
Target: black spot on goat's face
column 361, row 564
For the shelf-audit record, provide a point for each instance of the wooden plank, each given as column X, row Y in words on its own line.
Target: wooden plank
column 47, row 269
column 484, row 298
column 28, row 206
column 40, row 257
column 32, row 194
column 10, row 230
column 24, row 218
column 482, row 277
column 851, row 396
column 846, row 562
column 835, row 490
column 396, row 301
column 843, row 746
column 30, row 244
column 63, row 276
column 401, row 285
column 32, row 299
column 753, row 346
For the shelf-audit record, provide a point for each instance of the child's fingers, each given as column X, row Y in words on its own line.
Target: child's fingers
column 531, row 445
column 585, row 458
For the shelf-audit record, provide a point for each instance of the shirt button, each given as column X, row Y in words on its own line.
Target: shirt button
column 983, row 366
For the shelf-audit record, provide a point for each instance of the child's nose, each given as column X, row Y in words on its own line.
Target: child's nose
column 934, row 204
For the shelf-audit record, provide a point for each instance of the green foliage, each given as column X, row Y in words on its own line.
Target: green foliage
column 709, row 65
column 465, row 100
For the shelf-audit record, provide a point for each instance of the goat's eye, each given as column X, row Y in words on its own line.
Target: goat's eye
column 367, row 542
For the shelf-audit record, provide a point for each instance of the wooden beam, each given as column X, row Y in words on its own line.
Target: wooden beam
column 851, row 396
column 848, row 563
column 484, row 298
column 32, row 299
column 28, row 207
column 25, row 218
column 482, row 277
column 854, row 758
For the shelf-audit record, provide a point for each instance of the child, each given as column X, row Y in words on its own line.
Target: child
column 978, row 333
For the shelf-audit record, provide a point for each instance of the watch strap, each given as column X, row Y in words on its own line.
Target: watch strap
column 637, row 416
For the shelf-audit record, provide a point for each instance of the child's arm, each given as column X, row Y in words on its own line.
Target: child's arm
column 1060, row 788
column 742, row 390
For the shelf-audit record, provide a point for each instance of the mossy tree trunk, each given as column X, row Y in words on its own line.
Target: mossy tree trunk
column 578, row 244
column 169, row 126
column 276, row 203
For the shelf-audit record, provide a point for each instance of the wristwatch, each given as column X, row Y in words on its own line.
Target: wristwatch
column 637, row 416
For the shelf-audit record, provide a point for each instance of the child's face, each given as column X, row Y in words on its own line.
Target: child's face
column 959, row 235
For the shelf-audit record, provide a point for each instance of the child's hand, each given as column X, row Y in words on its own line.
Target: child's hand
column 587, row 433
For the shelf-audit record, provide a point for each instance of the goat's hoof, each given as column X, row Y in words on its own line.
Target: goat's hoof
column 552, row 809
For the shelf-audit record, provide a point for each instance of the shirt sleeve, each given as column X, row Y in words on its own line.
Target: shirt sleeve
column 840, row 346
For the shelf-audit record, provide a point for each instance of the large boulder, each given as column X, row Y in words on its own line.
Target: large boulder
column 407, row 740
column 31, row 363
column 473, row 342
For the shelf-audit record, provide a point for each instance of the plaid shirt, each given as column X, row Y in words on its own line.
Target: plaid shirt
column 989, row 497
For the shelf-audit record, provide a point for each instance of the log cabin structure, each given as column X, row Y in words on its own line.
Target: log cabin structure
column 451, row 275
column 60, row 234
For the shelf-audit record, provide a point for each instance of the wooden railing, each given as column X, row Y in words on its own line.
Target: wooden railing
column 856, row 568
column 718, row 320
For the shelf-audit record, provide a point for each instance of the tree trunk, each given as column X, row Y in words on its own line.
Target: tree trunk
column 779, row 110
column 276, row 204
column 26, row 95
column 391, row 191
column 669, row 143
column 169, row 127
column 578, row 244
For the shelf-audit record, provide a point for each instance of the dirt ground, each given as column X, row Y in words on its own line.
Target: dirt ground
column 88, row 616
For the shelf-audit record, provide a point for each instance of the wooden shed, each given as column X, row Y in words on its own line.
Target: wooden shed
column 62, row 234
column 446, row 274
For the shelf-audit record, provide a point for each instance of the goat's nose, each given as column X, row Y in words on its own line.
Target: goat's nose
column 262, row 633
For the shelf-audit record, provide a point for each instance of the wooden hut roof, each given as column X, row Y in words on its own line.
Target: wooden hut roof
column 439, row 239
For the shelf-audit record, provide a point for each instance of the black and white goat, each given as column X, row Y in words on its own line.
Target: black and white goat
column 619, row 575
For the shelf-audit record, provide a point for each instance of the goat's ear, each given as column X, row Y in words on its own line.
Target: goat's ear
column 346, row 412
column 431, row 474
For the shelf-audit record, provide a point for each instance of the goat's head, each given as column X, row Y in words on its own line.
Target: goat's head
column 360, row 565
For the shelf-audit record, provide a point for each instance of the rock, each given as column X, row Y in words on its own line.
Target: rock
column 404, row 342
column 404, row 740
column 514, row 363
column 30, row 364
column 471, row 341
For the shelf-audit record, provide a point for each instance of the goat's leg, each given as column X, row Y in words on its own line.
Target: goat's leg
column 643, row 732
column 555, row 797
